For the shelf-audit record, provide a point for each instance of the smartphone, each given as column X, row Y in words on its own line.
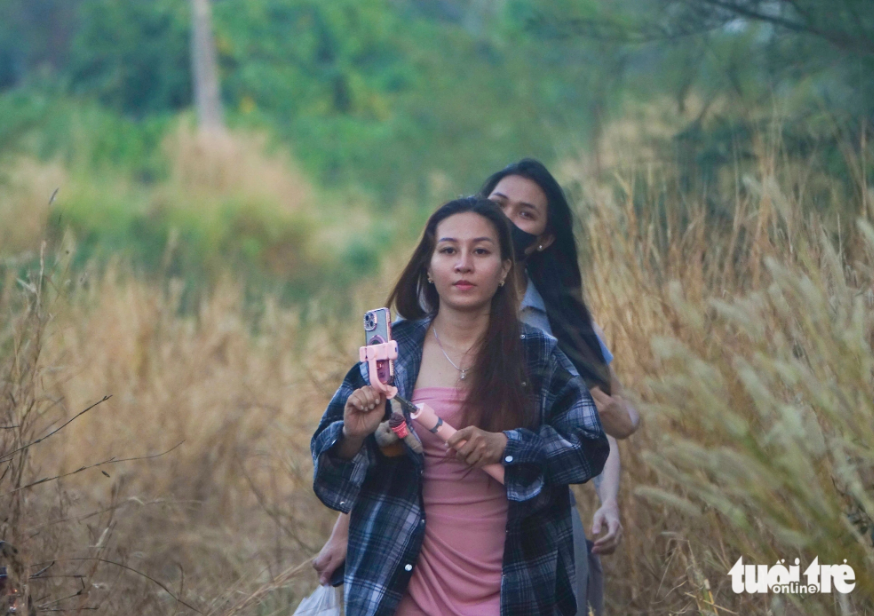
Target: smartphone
column 377, row 330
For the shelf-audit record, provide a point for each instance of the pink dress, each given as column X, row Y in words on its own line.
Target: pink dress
column 459, row 567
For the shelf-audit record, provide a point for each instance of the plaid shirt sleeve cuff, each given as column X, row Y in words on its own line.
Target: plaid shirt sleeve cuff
column 523, row 461
column 337, row 481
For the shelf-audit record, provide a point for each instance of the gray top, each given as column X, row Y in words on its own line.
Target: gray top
column 532, row 311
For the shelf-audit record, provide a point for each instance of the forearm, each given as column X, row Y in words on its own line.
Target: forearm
column 618, row 416
column 340, row 532
column 348, row 446
column 616, row 420
column 337, row 480
column 632, row 415
column 607, row 483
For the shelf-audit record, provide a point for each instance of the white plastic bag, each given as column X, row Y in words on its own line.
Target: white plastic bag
column 323, row 602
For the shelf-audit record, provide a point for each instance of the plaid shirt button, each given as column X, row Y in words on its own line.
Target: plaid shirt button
column 508, row 459
column 408, row 567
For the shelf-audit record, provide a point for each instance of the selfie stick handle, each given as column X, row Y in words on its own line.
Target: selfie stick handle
column 429, row 419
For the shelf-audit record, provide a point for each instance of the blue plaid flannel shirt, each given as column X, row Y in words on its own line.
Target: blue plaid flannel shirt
column 384, row 495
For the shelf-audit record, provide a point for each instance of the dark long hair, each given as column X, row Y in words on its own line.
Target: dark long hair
column 496, row 399
column 556, row 273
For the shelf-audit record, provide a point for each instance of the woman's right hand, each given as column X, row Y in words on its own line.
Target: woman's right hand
column 364, row 411
column 332, row 555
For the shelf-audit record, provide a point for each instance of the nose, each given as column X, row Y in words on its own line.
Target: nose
column 464, row 262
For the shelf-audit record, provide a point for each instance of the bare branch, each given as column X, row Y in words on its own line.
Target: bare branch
column 43, row 570
column 749, row 13
column 841, row 40
column 280, row 580
column 85, row 468
column 41, row 439
column 140, row 573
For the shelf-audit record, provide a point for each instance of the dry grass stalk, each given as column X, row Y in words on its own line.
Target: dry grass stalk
column 747, row 343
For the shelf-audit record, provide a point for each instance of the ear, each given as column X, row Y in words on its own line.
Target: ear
column 505, row 268
column 544, row 240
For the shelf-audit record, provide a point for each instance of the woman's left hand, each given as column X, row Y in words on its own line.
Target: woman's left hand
column 615, row 418
column 477, row 447
column 607, row 515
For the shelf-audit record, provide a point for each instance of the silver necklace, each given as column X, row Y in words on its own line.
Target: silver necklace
column 449, row 359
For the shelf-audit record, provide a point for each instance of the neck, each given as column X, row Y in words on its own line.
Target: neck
column 461, row 329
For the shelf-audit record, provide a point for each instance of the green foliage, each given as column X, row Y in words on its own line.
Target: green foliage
column 413, row 102
column 132, row 56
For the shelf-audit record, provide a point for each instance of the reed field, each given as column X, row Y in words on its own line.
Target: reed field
column 155, row 449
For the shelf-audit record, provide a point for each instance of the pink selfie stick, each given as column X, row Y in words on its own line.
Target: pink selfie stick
column 426, row 416
column 379, row 374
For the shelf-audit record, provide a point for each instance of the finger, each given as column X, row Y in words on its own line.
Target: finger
column 368, row 397
column 462, row 456
column 361, row 404
column 466, row 448
column 596, row 525
column 474, row 457
column 354, row 402
column 606, row 541
column 619, row 533
column 482, row 462
column 375, row 397
column 460, row 435
column 603, row 548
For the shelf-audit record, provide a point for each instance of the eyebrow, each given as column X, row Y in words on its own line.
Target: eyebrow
column 476, row 239
column 522, row 203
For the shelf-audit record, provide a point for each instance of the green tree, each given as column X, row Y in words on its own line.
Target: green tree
column 133, row 55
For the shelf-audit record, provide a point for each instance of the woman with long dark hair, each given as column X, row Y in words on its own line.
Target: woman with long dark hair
column 431, row 533
column 550, row 282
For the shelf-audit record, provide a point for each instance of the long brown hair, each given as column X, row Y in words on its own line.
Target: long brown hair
column 497, row 398
column 556, row 274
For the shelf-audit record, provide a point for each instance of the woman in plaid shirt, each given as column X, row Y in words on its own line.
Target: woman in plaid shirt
column 548, row 275
column 521, row 404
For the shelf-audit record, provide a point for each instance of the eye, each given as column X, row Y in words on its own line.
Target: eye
column 482, row 251
column 528, row 215
column 447, row 250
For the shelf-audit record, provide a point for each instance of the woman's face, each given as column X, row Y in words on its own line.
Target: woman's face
column 466, row 265
column 526, row 205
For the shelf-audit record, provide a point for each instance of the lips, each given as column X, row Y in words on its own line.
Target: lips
column 464, row 285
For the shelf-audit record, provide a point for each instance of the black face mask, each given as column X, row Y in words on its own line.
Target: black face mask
column 522, row 241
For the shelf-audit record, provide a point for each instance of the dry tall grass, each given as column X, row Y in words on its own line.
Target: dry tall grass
column 747, row 345
column 219, row 514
